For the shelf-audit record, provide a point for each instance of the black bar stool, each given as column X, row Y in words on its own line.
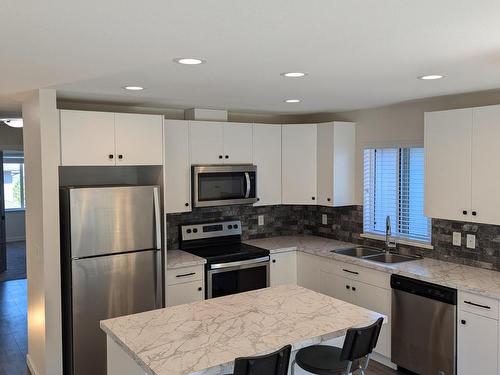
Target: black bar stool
column 270, row 364
column 329, row 360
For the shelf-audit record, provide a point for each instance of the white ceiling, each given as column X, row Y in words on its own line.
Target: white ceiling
column 359, row 53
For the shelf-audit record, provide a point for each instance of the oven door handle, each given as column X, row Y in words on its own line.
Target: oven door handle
column 256, row 261
column 247, row 178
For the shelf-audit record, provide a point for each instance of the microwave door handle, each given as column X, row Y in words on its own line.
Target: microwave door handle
column 247, row 178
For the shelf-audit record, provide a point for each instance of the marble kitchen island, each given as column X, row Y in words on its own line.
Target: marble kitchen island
column 205, row 337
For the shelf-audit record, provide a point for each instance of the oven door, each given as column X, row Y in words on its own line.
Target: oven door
column 220, row 185
column 236, row 277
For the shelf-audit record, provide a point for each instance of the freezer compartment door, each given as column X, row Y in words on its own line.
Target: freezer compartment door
column 110, row 220
column 108, row 287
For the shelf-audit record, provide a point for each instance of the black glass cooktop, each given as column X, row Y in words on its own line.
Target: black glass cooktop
column 228, row 252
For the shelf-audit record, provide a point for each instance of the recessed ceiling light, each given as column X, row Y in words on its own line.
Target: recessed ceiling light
column 291, row 101
column 294, row 74
column 431, row 77
column 188, row 61
column 134, row 88
column 13, row 122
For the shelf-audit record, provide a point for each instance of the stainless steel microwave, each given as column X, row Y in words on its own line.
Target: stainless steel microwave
column 222, row 185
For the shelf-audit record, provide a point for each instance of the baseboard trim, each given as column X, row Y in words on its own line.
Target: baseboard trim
column 30, row 365
column 383, row 360
column 15, row 239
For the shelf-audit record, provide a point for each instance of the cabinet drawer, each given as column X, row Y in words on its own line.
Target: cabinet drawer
column 484, row 306
column 366, row 275
column 184, row 275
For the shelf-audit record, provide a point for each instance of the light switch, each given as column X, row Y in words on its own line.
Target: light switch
column 260, row 219
column 457, row 239
column 471, row 241
column 324, row 219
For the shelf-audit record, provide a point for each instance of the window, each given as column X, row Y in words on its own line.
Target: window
column 394, row 186
column 13, row 180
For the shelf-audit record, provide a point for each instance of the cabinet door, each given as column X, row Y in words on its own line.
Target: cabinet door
column 87, row 138
column 344, row 163
column 477, row 344
column 379, row 300
column 139, row 139
column 283, row 268
column 337, row 286
column 206, row 142
column 325, row 164
column 237, row 143
column 179, row 294
column 448, row 164
column 299, row 164
column 267, row 158
column 177, row 167
column 485, row 157
column 308, row 267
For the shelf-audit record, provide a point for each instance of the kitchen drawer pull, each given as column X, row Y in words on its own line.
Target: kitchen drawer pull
column 353, row 272
column 186, row 274
column 477, row 305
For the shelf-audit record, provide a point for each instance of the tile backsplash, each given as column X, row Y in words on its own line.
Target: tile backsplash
column 345, row 224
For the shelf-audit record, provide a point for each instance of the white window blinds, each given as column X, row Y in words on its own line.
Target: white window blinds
column 394, row 186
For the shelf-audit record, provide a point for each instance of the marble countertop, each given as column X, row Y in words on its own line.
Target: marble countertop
column 457, row 276
column 179, row 259
column 205, row 337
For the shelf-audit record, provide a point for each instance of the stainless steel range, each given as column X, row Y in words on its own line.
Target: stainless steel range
column 232, row 266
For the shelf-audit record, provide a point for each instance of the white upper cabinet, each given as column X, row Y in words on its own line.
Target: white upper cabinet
column 448, row 164
column 485, row 159
column 138, row 139
column 207, row 142
column 238, row 143
column 220, row 142
column 267, row 158
column 177, row 167
column 299, row 159
column 103, row 138
column 336, row 163
column 87, row 138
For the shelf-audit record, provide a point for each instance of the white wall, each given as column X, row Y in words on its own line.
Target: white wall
column 41, row 155
column 14, row 226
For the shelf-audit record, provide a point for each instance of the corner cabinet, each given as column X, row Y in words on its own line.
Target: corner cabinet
column 336, row 164
column 103, row 139
column 177, row 167
column 299, row 159
column 461, row 146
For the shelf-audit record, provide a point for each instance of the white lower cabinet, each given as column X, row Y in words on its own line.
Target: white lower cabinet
column 307, row 271
column 283, row 268
column 477, row 335
column 185, row 285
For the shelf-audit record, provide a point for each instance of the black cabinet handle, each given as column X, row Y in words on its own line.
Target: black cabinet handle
column 200, row 288
column 347, row 287
column 186, row 274
column 464, row 212
column 477, row 305
column 120, row 156
column 274, row 260
column 227, row 156
column 313, row 198
column 353, row 272
column 186, row 204
column 258, row 199
column 111, row 156
column 220, row 156
column 463, row 322
column 354, row 289
column 474, row 213
column 328, row 199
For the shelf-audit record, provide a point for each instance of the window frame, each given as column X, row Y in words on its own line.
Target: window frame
column 16, row 157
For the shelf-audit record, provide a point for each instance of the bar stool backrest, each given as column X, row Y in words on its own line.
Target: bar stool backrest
column 270, row 364
column 359, row 342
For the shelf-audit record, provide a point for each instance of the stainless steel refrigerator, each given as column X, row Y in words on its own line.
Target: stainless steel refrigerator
column 111, row 265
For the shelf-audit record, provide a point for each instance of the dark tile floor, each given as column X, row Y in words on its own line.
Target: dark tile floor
column 13, row 327
column 16, row 261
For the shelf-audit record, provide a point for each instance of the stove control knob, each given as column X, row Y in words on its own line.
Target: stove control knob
column 235, row 226
column 195, row 230
column 229, row 226
column 188, row 231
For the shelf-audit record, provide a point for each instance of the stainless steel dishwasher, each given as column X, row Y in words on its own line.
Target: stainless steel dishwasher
column 423, row 326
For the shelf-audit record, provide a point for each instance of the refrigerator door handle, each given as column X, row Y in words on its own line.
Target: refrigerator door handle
column 156, row 197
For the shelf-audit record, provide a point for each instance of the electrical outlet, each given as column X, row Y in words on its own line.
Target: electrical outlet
column 457, row 239
column 260, row 219
column 471, row 241
column 324, row 219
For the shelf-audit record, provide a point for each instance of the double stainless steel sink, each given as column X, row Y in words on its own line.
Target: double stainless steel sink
column 374, row 254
